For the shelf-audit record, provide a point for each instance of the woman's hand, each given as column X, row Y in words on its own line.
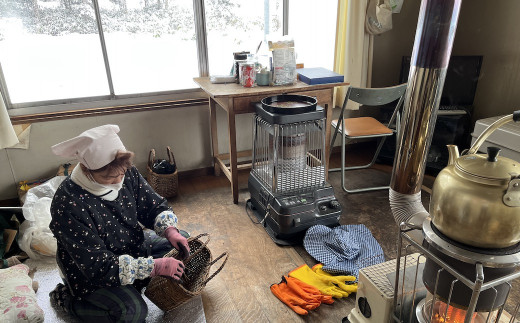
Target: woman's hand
column 178, row 241
column 170, row 267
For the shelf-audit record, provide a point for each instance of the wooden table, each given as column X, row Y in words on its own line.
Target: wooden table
column 236, row 99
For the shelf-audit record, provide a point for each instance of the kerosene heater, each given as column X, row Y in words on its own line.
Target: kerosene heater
column 287, row 183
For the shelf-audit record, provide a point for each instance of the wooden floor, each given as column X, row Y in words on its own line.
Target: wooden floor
column 241, row 292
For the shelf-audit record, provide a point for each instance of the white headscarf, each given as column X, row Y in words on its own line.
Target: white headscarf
column 94, row 148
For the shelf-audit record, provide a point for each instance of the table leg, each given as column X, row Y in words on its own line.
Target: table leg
column 328, row 126
column 214, row 134
column 233, row 151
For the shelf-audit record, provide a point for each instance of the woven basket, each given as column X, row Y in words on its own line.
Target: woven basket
column 167, row 294
column 166, row 185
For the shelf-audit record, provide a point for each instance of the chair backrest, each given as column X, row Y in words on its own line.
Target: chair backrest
column 376, row 96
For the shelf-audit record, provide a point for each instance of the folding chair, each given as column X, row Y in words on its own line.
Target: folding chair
column 367, row 127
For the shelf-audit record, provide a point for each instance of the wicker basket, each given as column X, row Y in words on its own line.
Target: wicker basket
column 166, row 185
column 167, row 294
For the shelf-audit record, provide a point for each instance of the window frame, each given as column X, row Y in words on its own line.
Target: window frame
column 113, row 103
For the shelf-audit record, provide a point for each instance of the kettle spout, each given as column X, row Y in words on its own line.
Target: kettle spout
column 454, row 154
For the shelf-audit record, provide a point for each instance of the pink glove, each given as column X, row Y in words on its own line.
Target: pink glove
column 178, row 241
column 170, row 267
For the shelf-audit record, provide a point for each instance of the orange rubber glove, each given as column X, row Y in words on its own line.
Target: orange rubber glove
column 290, row 298
column 307, row 291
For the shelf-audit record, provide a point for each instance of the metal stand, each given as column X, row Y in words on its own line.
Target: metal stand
column 409, row 239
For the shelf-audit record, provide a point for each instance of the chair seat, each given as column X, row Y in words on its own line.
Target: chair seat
column 363, row 126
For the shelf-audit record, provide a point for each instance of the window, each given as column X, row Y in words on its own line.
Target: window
column 314, row 34
column 50, row 51
column 150, row 44
column 239, row 26
column 74, row 51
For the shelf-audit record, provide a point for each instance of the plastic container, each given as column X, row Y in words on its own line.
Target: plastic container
column 263, row 77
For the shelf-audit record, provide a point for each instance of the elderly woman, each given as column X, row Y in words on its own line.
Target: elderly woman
column 98, row 215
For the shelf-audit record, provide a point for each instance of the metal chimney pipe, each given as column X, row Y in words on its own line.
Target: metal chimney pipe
column 431, row 53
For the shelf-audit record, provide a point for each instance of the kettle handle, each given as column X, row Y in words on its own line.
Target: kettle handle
column 494, row 126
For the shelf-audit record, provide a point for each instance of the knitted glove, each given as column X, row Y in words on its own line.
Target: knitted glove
column 292, row 299
column 340, row 281
column 306, row 275
column 170, row 267
column 178, row 241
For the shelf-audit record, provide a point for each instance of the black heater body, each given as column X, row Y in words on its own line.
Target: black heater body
column 287, row 183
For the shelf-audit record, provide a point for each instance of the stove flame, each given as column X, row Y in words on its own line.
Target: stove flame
column 444, row 313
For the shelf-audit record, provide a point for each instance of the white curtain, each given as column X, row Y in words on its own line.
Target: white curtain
column 7, row 134
column 353, row 48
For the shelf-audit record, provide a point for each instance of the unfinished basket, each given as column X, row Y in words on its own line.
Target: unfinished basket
column 167, row 294
column 166, row 185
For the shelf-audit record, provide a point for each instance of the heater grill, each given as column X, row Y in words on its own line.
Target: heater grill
column 463, row 286
column 288, row 158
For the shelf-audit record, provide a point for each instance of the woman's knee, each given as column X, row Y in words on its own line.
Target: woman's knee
column 133, row 309
column 114, row 304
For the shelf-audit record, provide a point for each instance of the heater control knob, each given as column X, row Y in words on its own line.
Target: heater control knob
column 323, row 207
column 334, row 204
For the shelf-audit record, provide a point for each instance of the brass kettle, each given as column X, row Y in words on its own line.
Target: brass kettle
column 476, row 198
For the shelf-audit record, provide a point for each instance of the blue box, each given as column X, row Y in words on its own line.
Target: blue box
column 319, row 75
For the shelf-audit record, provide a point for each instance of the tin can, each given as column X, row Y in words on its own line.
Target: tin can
column 247, row 74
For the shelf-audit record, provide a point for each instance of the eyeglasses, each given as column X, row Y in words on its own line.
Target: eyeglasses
column 113, row 176
column 108, row 177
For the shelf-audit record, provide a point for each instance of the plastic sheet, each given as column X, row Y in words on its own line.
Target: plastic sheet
column 36, row 239
column 284, row 61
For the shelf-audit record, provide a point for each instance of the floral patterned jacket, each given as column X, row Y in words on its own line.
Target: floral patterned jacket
column 93, row 233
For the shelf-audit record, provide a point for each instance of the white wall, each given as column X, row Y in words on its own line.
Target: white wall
column 185, row 130
column 487, row 28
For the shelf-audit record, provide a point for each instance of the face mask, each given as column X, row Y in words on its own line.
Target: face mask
column 114, row 187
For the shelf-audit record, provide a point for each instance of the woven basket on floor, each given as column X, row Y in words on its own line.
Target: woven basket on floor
column 166, row 185
column 167, row 294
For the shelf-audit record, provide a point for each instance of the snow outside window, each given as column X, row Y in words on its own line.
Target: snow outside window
column 50, row 51
column 150, row 44
column 236, row 26
column 312, row 24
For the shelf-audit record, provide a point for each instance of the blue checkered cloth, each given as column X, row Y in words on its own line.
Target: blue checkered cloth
column 343, row 250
